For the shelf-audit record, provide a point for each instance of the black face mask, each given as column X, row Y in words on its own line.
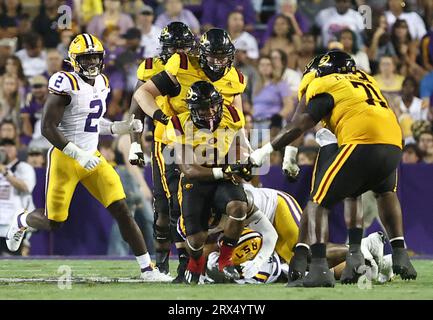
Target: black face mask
column 209, row 122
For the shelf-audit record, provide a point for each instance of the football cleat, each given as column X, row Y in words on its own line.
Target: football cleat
column 181, row 269
column 155, row 275
column 191, row 277
column 319, row 275
column 231, row 273
column 16, row 232
column 401, row 264
column 355, row 267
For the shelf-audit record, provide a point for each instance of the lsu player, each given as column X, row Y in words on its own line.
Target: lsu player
column 202, row 139
column 176, row 37
column 369, row 140
column 214, row 64
column 72, row 121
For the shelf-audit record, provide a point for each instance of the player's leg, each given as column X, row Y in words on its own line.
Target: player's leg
column 391, row 216
column 161, row 204
column 231, row 199
column 60, row 183
column 104, row 184
column 173, row 176
column 195, row 203
column 354, row 223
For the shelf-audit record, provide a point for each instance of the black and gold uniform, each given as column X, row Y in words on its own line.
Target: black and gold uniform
column 369, row 137
column 212, row 146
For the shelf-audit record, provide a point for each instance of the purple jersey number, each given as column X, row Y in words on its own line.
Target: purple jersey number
column 94, row 115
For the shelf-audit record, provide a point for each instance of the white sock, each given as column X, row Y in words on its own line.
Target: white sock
column 143, row 261
column 23, row 219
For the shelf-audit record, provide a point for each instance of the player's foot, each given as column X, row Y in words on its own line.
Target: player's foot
column 191, row 277
column 231, row 273
column 355, row 267
column 16, row 232
column 319, row 275
column 297, row 267
column 401, row 264
column 181, row 269
column 373, row 244
column 385, row 269
column 154, row 275
column 162, row 262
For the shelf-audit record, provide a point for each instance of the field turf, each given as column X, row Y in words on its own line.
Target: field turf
column 47, row 270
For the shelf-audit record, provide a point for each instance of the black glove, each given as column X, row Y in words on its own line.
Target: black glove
column 160, row 116
column 239, row 169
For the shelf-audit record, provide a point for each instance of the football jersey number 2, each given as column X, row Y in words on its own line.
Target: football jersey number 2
column 94, row 115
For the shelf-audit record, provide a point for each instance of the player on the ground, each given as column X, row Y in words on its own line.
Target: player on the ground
column 214, row 64
column 369, row 140
column 202, row 139
column 175, row 38
column 72, row 121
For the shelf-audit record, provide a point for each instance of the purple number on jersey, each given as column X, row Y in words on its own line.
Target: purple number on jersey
column 94, row 115
column 58, row 82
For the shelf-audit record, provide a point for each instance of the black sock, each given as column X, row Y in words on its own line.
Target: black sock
column 301, row 251
column 318, row 250
column 182, row 254
column 355, row 238
column 397, row 243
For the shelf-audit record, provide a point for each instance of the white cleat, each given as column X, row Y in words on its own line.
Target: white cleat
column 373, row 246
column 325, row 137
column 155, row 275
column 385, row 269
column 15, row 234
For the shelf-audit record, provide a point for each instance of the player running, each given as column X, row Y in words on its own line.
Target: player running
column 175, row 38
column 214, row 64
column 72, row 122
column 369, row 140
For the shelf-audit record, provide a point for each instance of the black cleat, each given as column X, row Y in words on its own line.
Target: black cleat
column 401, row 264
column 355, row 267
column 231, row 273
column 162, row 258
column 181, row 269
column 319, row 275
column 297, row 267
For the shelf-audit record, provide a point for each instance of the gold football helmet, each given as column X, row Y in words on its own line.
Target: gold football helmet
column 248, row 246
column 86, row 55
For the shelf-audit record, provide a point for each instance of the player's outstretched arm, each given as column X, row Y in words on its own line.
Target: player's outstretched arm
column 52, row 114
column 136, row 155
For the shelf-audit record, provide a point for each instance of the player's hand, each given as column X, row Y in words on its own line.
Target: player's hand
column 239, row 169
column 257, row 157
column 290, row 166
column 86, row 159
column 252, row 267
column 136, row 155
column 127, row 126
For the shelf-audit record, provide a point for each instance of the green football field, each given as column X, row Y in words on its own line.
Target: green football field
column 48, row 276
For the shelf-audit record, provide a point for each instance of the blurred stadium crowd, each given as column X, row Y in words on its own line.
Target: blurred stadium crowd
column 275, row 39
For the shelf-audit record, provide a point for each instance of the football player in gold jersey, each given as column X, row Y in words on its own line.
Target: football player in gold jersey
column 203, row 139
column 214, row 64
column 175, row 38
column 369, row 140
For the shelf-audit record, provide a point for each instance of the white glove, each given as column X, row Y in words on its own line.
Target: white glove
column 127, row 126
column 290, row 166
column 252, row 267
column 258, row 156
column 136, row 155
column 86, row 159
column 325, row 137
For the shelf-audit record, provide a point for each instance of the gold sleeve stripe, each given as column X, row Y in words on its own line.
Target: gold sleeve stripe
column 105, row 80
column 72, row 80
column 58, row 92
column 332, row 171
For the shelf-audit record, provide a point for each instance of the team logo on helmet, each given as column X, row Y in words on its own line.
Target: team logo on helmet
column 324, row 60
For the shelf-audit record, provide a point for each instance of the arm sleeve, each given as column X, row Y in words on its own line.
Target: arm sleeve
column 320, row 106
column 259, row 222
column 60, row 84
column 105, row 127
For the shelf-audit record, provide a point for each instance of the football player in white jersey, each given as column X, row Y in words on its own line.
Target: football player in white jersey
column 72, row 122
